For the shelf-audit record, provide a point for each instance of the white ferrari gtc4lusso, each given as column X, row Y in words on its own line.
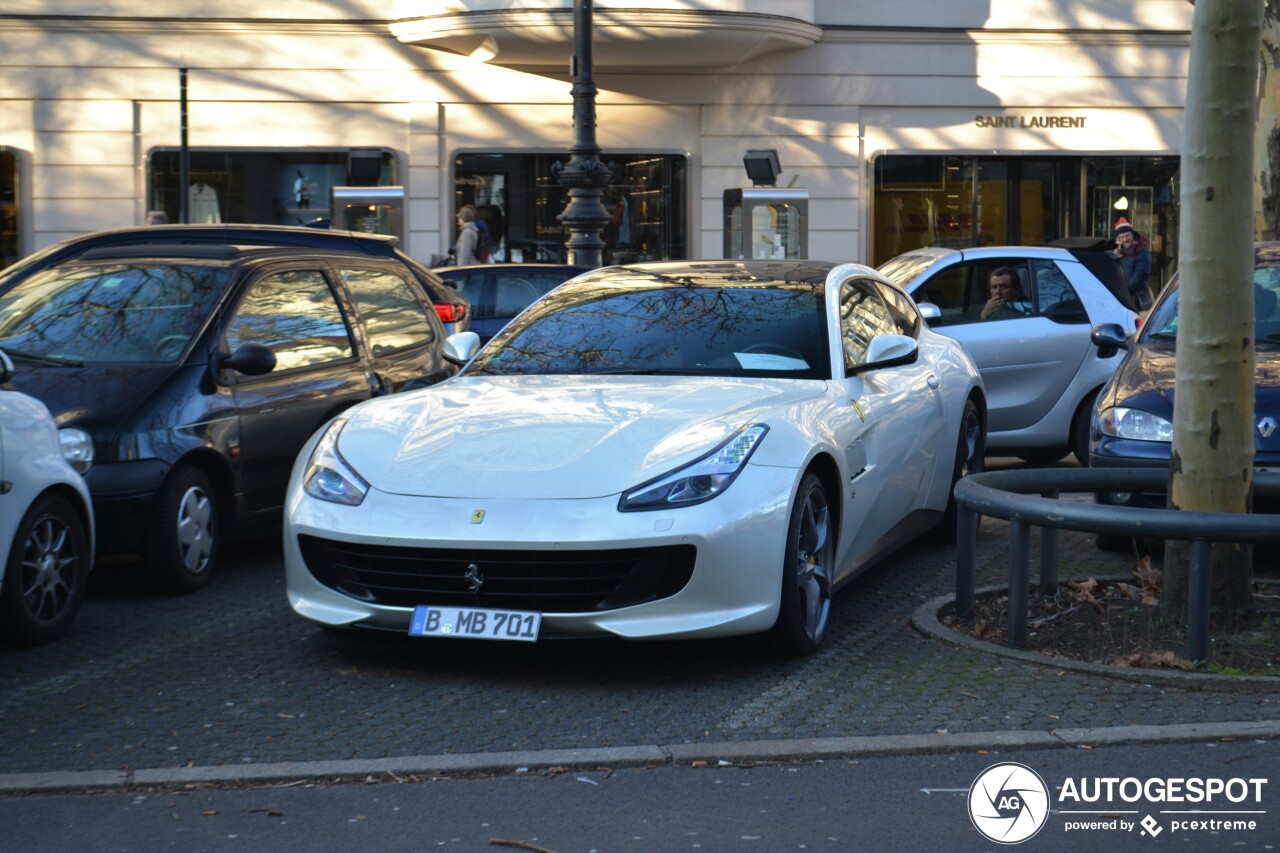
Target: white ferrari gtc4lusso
column 668, row 450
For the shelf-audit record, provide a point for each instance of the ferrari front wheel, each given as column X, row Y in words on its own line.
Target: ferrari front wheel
column 808, row 571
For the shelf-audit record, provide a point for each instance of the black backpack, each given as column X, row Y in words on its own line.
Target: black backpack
column 484, row 246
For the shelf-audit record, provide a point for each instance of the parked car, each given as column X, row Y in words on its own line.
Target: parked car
column 195, row 372
column 1040, row 370
column 451, row 306
column 681, row 449
column 1133, row 424
column 46, row 523
column 498, row 292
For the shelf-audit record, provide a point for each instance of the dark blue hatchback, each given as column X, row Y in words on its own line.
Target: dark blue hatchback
column 184, row 378
column 1133, row 420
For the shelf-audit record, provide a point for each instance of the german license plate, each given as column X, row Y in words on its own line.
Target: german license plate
column 474, row 623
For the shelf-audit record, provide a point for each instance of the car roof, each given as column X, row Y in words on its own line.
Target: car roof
column 267, row 235
column 714, row 273
column 441, row 271
column 209, row 251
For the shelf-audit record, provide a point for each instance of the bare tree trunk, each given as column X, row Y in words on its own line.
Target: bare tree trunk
column 1266, row 139
column 1211, row 467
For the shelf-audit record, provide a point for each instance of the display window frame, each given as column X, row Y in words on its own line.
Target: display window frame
column 261, row 185
column 514, row 191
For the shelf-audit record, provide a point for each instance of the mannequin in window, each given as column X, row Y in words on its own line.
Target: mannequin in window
column 202, row 202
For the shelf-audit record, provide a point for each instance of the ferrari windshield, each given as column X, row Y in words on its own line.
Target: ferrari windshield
column 756, row 328
column 1162, row 326
column 904, row 269
column 133, row 312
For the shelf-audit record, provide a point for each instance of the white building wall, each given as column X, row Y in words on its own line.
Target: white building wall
column 87, row 100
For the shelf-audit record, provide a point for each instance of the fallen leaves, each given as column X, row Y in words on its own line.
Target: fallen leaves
column 1154, row 660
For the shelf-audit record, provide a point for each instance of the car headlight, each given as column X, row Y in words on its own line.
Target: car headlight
column 77, row 448
column 328, row 476
column 1120, row 422
column 700, row 480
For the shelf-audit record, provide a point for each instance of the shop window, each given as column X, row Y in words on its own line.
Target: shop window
column 9, row 237
column 260, row 186
column 517, row 196
column 960, row 201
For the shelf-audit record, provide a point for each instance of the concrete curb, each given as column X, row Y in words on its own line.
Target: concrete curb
column 925, row 620
column 713, row 754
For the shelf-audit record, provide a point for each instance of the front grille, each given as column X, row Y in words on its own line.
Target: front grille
column 546, row 581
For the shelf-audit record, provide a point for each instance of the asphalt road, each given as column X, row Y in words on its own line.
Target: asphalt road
column 229, row 677
column 899, row 803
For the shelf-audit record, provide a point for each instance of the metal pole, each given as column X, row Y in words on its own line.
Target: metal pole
column 1049, row 553
column 184, row 155
column 585, row 176
column 1198, row 601
column 966, row 560
column 1019, row 581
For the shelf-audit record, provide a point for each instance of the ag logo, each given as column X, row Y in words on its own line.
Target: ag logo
column 1008, row 803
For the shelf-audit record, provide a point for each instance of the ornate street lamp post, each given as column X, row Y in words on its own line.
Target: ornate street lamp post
column 585, row 175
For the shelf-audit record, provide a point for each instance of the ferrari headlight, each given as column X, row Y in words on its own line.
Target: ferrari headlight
column 77, row 448
column 1120, row 422
column 328, row 476
column 700, row 480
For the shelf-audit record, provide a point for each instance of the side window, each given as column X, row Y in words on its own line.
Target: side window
column 863, row 315
column 902, row 309
column 1015, row 304
column 295, row 314
column 392, row 314
column 1055, row 297
column 949, row 290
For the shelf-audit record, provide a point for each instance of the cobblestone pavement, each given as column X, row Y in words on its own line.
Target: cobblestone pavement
column 230, row 676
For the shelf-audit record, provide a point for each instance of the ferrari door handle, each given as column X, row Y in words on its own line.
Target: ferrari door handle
column 933, row 382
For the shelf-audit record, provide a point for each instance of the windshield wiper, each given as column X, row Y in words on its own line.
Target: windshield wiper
column 45, row 360
column 649, row 371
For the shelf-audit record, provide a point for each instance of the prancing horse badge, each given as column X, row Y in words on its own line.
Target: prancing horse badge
column 477, row 517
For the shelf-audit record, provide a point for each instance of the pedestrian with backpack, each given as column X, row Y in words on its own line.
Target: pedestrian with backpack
column 468, row 237
column 482, row 251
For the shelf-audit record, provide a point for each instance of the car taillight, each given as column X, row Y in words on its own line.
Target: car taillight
column 449, row 312
column 1137, row 324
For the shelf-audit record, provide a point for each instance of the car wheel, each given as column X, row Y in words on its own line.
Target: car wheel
column 1080, row 429
column 46, row 573
column 807, row 571
column 183, row 540
column 971, row 451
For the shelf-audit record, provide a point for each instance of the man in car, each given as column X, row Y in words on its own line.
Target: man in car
column 1007, row 300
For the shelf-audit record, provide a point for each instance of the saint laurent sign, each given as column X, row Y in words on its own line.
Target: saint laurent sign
column 1029, row 121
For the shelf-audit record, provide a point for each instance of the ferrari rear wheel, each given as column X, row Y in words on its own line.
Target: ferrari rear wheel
column 808, row 571
column 971, row 451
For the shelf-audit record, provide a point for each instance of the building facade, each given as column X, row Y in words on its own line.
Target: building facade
column 908, row 123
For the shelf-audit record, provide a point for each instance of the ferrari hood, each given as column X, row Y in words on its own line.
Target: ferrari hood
column 552, row 437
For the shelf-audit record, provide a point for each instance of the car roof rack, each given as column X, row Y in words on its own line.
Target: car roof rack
column 162, row 250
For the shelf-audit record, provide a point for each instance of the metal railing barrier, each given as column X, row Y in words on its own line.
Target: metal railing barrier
column 1029, row 497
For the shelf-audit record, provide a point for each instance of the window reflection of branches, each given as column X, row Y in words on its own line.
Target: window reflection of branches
column 655, row 323
column 295, row 315
column 392, row 316
column 115, row 313
column 863, row 315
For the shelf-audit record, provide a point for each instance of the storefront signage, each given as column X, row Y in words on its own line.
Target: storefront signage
column 1029, row 121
